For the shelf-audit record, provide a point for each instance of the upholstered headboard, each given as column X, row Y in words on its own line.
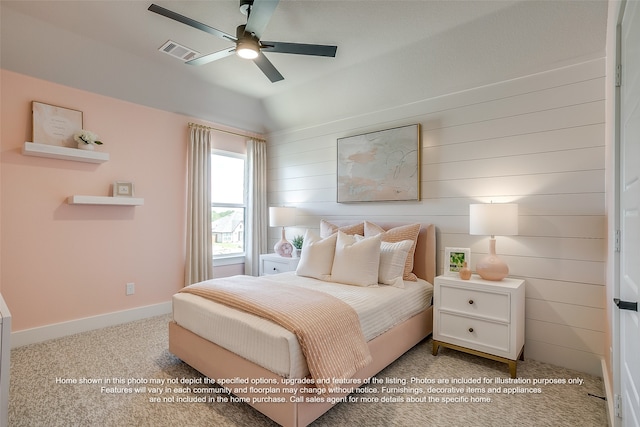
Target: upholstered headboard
column 424, row 262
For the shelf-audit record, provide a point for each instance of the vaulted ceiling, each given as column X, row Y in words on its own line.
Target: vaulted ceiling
column 389, row 53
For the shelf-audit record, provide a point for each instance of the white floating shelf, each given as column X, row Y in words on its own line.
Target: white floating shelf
column 63, row 153
column 105, row 200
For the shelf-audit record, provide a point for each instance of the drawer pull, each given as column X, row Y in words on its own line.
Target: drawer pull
column 470, row 301
column 470, row 330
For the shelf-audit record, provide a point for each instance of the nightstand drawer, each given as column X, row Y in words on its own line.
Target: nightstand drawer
column 274, row 264
column 474, row 333
column 272, row 267
column 475, row 302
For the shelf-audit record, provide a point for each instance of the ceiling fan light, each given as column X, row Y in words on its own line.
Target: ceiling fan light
column 247, row 50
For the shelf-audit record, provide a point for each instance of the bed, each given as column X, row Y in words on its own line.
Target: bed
column 196, row 321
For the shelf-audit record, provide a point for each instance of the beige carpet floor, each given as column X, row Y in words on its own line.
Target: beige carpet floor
column 56, row 383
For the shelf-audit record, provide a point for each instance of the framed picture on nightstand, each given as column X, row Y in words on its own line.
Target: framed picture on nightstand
column 454, row 259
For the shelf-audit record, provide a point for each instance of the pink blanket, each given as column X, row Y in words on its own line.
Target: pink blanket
column 327, row 328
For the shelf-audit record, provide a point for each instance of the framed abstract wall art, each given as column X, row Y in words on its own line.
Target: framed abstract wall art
column 380, row 166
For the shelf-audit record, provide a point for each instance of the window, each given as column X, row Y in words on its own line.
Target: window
column 227, row 203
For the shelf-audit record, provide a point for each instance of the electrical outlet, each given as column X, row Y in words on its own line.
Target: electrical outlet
column 131, row 288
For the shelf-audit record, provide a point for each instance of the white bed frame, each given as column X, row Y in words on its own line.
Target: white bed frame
column 217, row 362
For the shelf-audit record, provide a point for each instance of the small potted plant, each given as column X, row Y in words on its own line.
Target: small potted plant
column 297, row 243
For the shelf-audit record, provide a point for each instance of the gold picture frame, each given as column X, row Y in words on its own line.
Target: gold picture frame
column 379, row 166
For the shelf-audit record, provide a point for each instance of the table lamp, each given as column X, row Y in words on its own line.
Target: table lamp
column 282, row 217
column 493, row 219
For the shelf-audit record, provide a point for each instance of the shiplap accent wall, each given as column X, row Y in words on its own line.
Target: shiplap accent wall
column 537, row 141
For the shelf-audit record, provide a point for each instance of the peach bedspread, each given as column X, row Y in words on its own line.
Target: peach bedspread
column 327, row 328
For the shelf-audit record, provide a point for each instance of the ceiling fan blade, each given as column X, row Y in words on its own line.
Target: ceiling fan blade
column 205, row 59
column 260, row 15
column 191, row 22
column 267, row 68
column 300, row 48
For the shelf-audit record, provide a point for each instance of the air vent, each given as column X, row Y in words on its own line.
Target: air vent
column 178, row 51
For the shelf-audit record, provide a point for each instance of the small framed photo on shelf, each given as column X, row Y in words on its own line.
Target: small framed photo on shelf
column 454, row 259
column 122, row 189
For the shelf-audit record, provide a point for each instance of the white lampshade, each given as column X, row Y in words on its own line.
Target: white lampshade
column 493, row 219
column 281, row 216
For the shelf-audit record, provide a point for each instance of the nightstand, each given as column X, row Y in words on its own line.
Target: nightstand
column 480, row 317
column 274, row 263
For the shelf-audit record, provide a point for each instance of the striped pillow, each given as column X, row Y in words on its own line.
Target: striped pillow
column 393, row 257
column 398, row 234
column 327, row 229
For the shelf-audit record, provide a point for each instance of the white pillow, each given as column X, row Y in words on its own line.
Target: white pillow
column 356, row 261
column 317, row 255
column 393, row 257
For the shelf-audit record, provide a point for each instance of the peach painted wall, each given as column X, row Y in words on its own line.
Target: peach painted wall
column 62, row 262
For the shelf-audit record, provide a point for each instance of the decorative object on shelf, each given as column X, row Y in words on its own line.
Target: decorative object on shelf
column 465, row 272
column 297, row 244
column 54, row 125
column 493, row 219
column 454, row 260
column 122, row 189
column 282, row 217
column 380, row 166
column 86, row 139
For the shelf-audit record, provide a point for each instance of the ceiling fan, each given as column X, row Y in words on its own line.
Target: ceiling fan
column 247, row 38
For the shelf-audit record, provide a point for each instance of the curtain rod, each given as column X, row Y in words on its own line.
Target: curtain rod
column 196, row 125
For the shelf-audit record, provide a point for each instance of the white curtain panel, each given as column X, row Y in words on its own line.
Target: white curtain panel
column 199, row 263
column 257, row 210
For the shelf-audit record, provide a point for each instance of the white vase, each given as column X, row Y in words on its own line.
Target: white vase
column 83, row 146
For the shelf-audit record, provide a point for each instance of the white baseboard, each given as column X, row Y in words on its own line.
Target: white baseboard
column 608, row 393
column 63, row 329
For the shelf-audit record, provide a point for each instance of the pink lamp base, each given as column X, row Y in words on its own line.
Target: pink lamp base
column 492, row 267
column 283, row 247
